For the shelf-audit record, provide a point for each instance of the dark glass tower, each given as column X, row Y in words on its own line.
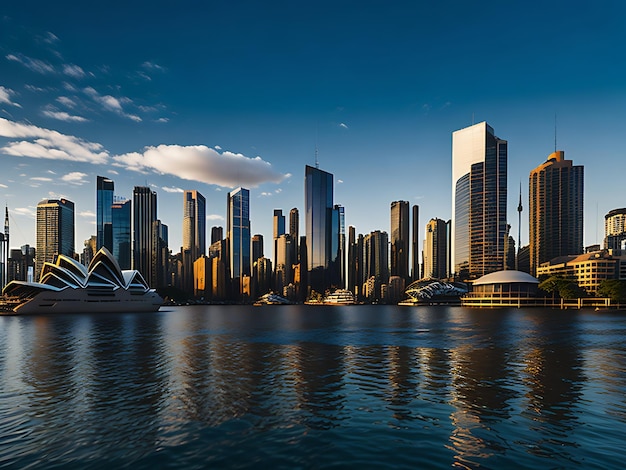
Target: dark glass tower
column 120, row 212
column 479, row 198
column 318, row 202
column 104, row 216
column 144, row 218
column 55, row 231
column 400, row 239
column 555, row 210
column 194, row 234
column 238, row 234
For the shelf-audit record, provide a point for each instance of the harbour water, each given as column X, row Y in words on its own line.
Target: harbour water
column 314, row 387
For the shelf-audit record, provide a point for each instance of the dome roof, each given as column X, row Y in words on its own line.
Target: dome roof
column 506, row 277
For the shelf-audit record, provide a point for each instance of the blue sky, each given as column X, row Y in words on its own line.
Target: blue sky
column 214, row 95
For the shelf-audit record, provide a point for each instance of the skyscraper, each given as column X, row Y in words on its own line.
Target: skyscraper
column 278, row 223
column 318, row 202
column 615, row 229
column 257, row 247
column 400, row 239
column 194, row 234
column 120, row 216
column 415, row 248
column 144, row 218
column 104, row 216
column 55, row 231
column 436, row 249
column 479, row 198
column 294, row 231
column 555, row 210
column 238, row 234
column 217, row 234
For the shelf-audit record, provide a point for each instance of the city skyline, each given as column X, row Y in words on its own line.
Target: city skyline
column 378, row 103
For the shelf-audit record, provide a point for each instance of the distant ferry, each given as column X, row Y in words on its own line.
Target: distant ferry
column 339, row 297
column 66, row 286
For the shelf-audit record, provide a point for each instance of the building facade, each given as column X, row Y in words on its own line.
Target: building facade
column 55, row 231
column 238, row 235
column 104, row 217
column 479, row 199
column 400, row 239
column 615, row 230
column 436, row 250
column 555, row 210
column 194, row 235
column 122, row 235
column 144, row 218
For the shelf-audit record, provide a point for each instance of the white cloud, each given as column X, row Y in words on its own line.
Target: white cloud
column 26, row 211
column 87, row 214
column 152, row 66
column 202, row 164
column 73, row 71
column 3, row 186
column 75, row 177
column 111, row 103
column 343, row 125
column 65, row 101
column 172, row 190
column 112, row 172
column 265, row 194
column 50, row 38
column 214, row 217
column 63, row 116
column 5, row 96
column 41, row 178
column 50, row 144
column 217, row 147
column 339, row 181
column 34, row 88
column 162, row 120
column 35, row 65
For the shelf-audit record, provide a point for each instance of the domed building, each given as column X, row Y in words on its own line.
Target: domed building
column 507, row 288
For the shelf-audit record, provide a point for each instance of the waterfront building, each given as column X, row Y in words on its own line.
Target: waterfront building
column 194, row 234
column 55, row 231
column 399, row 238
column 588, row 269
column 503, row 288
column 122, row 235
column 238, row 235
column 615, row 230
column 104, row 216
column 436, row 249
column 144, row 218
column 555, row 210
column 339, row 247
column 318, row 201
column 415, row 248
column 479, row 199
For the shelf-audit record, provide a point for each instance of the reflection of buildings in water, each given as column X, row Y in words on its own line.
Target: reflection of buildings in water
column 404, row 375
column 435, row 367
column 464, row 441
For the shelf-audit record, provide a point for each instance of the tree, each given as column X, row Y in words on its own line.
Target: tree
column 563, row 287
column 614, row 289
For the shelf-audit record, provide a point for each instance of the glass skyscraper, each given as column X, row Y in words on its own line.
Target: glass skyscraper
column 318, row 202
column 400, row 239
column 120, row 212
column 144, row 218
column 194, row 234
column 479, row 198
column 238, row 234
column 55, row 231
column 104, row 216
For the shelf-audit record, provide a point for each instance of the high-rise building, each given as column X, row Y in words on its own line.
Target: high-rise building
column 436, row 249
column 160, row 255
column 217, row 234
column 238, row 234
column 278, row 223
column 615, row 229
column 338, row 266
column 294, row 231
column 120, row 212
column 555, row 210
column 144, row 218
column 194, row 235
column 479, row 199
column 415, row 248
column 322, row 237
column 375, row 263
column 400, row 239
column 104, row 201
column 257, row 247
column 352, row 263
column 55, row 231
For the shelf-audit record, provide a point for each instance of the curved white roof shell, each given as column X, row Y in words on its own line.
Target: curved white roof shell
column 508, row 276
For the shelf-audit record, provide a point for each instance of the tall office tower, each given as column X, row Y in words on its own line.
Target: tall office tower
column 104, row 201
column 352, row 260
column 338, row 266
column 294, row 231
column 400, row 239
column 4, row 251
column 436, row 249
column 479, row 192
column 555, row 210
column 55, row 231
column 615, row 229
column 217, row 234
column 120, row 215
column 238, row 234
column 318, row 201
column 278, row 223
column 257, row 247
column 284, row 264
column 194, row 235
column 144, row 217
column 160, row 255
column 415, row 251
column 376, row 263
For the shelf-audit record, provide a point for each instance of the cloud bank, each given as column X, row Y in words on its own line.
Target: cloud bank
column 203, row 164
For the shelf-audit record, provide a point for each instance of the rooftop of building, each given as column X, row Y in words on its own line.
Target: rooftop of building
column 508, row 276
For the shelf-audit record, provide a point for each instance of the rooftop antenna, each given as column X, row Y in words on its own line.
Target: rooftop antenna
column 554, row 132
column 317, row 163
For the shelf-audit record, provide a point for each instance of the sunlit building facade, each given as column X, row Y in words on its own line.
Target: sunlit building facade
column 194, row 234
column 615, row 230
column 144, row 218
column 479, row 199
column 55, row 231
column 436, row 250
column 238, row 235
column 555, row 210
